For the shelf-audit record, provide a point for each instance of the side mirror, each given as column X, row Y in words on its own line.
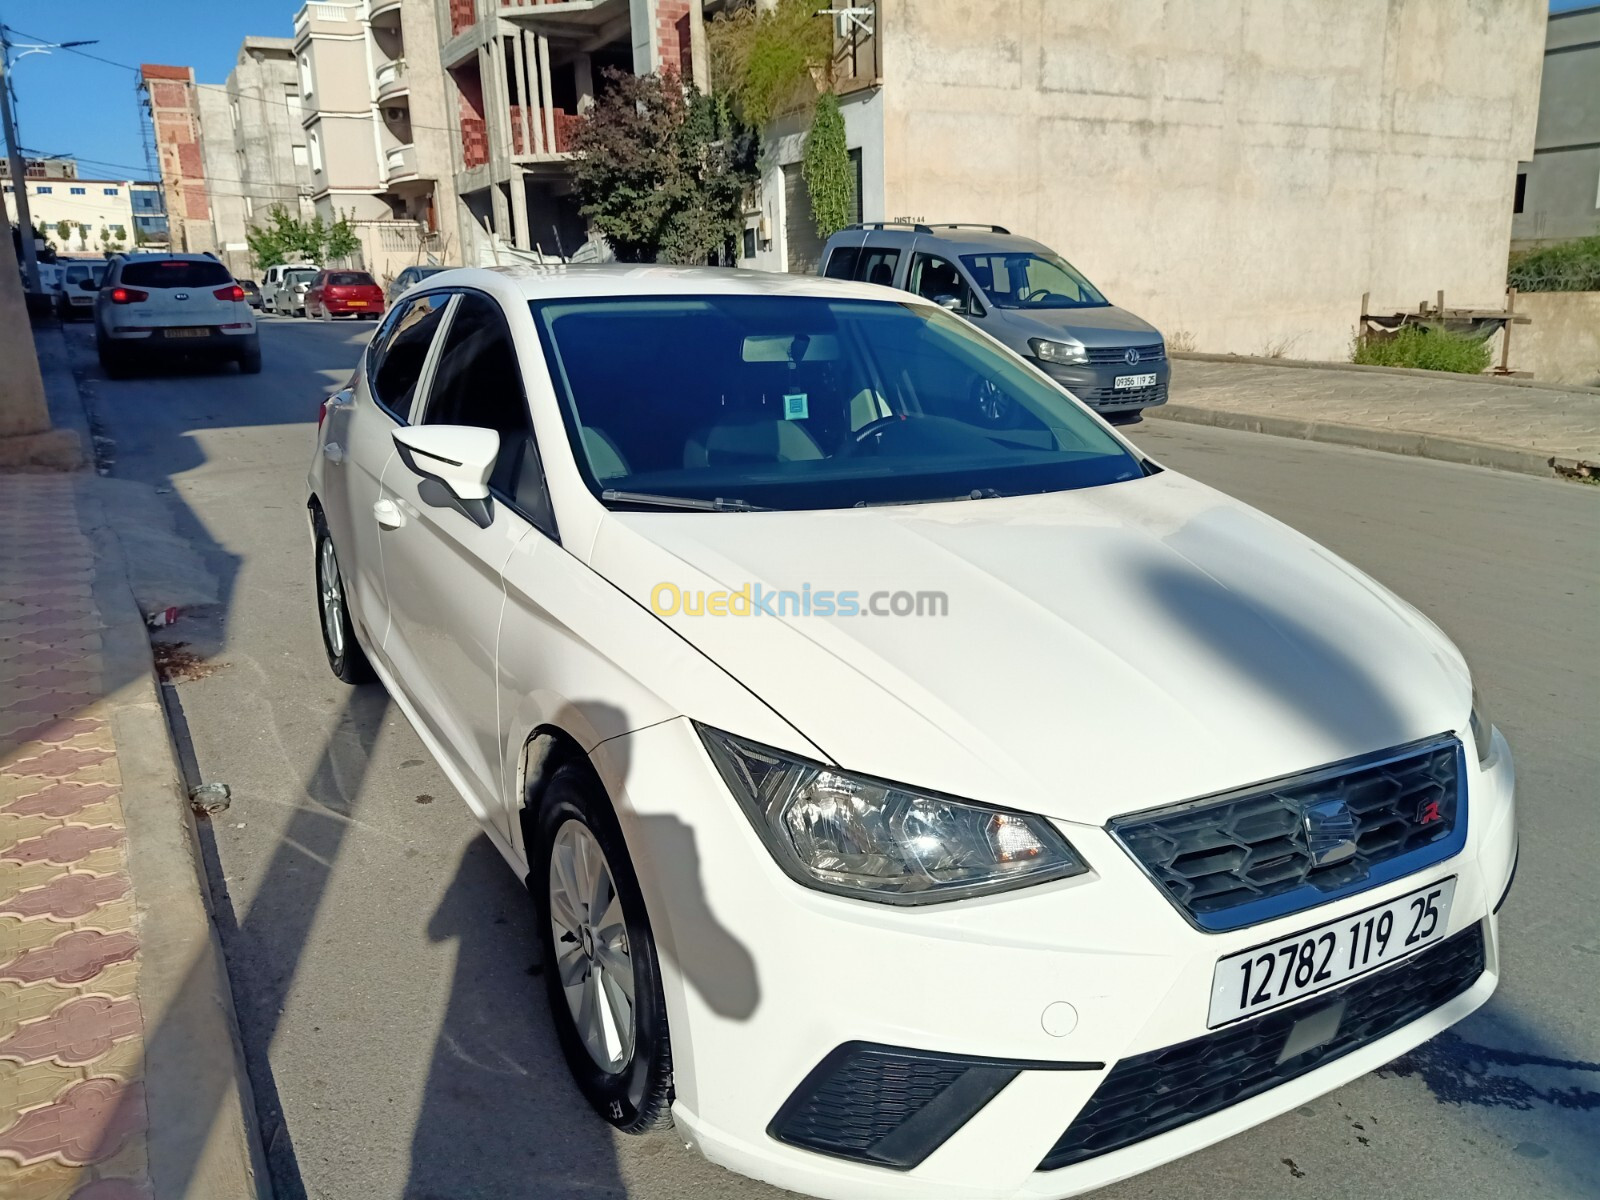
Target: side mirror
column 951, row 303
column 457, row 460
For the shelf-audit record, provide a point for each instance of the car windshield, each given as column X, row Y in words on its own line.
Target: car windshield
column 175, row 273
column 300, row 276
column 809, row 402
column 350, row 279
column 1028, row 280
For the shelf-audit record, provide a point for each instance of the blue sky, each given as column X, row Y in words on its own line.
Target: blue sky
column 71, row 105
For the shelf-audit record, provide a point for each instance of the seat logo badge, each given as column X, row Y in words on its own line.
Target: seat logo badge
column 180, row 295
column 1132, row 356
column 1330, row 831
column 1428, row 812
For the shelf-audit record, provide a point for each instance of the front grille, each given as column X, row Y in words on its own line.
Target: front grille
column 891, row 1106
column 1110, row 397
column 1275, row 848
column 1159, row 1091
column 1153, row 353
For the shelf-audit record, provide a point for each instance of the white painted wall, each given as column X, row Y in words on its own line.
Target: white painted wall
column 94, row 208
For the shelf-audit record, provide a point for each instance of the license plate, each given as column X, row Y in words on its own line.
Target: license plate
column 1123, row 382
column 187, row 332
column 355, row 303
column 1294, row 967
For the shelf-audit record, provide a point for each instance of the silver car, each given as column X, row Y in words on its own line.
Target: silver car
column 1023, row 294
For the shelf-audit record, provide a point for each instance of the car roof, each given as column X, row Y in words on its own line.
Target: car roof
column 560, row 280
column 159, row 256
column 955, row 239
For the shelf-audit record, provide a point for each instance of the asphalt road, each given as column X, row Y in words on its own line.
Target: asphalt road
column 380, row 951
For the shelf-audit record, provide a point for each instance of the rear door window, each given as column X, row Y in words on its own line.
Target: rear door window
column 400, row 351
column 175, row 273
column 349, row 279
column 877, row 266
column 842, row 262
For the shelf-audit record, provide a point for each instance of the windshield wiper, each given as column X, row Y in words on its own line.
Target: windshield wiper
column 688, row 502
column 974, row 494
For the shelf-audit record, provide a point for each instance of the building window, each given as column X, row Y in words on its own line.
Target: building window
column 9, row 189
column 749, row 243
column 301, row 158
column 1522, row 191
column 43, row 191
column 305, row 74
column 76, row 191
column 316, row 153
column 111, row 191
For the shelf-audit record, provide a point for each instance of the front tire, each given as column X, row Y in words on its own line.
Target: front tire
column 346, row 659
column 600, row 962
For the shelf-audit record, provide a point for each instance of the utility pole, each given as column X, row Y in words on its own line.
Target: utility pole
column 19, row 179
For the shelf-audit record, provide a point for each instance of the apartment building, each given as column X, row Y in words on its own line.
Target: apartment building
column 519, row 74
column 172, row 109
column 253, row 143
column 41, row 168
column 1237, row 173
column 1558, row 189
column 376, row 134
column 79, row 216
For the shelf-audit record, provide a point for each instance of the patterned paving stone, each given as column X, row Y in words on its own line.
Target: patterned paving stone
column 42, row 1181
column 63, row 760
column 60, row 800
column 74, row 895
column 36, row 1000
column 51, row 731
column 68, row 844
column 88, row 1122
column 78, row 1032
column 75, row 957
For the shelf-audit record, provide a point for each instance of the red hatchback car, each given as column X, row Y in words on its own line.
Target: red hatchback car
column 344, row 294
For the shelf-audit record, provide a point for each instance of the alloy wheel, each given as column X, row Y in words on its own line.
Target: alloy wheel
column 331, row 591
column 590, row 936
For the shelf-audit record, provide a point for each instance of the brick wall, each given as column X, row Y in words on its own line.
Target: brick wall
column 673, row 38
column 174, row 115
column 463, row 15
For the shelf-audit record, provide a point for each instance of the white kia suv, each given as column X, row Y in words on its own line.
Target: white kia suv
column 159, row 307
column 924, row 793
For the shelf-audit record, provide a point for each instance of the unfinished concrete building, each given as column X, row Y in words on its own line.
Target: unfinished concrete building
column 170, row 99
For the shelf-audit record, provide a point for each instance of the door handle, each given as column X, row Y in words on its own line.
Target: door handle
column 389, row 516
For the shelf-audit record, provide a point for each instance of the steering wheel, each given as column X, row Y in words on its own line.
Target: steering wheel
column 1043, row 294
column 875, row 426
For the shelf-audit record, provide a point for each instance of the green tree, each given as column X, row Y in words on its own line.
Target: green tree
column 826, row 168
column 342, row 241
column 770, row 61
column 64, row 231
column 283, row 238
column 661, row 170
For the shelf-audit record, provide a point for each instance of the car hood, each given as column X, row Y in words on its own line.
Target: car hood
column 1110, row 326
column 1105, row 650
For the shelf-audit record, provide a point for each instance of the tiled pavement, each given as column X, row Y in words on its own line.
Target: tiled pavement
column 1413, row 412
column 72, row 1106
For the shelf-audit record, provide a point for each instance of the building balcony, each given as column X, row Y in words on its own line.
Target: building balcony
column 326, row 18
column 385, row 14
column 575, row 18
column 536, row 141
column 400, row 163
column 391, row 80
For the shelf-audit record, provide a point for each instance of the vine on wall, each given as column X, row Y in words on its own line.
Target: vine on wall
column 826, row 168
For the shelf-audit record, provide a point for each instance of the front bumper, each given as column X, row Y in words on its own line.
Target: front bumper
column 764, row 979
column 1096, row 384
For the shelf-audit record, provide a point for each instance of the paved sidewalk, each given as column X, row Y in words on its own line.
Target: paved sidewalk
column 112, row 1004
column 1540, row 431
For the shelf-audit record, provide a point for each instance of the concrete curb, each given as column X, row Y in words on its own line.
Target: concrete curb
column 1305, row 364
column 202, row 1141
column 1390, row 441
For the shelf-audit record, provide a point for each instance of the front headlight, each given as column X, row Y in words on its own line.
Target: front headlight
column 874, row 840
column 1058, row 352
column 1482, row 729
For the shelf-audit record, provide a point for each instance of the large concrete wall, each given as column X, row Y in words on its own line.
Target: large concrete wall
column 1563, row 343
column 1236, row 172
column 224, row 185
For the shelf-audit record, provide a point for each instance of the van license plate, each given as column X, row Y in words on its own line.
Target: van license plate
column 187, row 332
column 1291, row 968
column 1124, row 382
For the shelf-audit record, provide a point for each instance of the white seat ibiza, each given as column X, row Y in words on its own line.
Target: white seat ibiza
column 923, row 792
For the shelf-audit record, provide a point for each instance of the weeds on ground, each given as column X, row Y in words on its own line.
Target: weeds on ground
column 1180, row 340
column 1565, row 267
column 1426, row 349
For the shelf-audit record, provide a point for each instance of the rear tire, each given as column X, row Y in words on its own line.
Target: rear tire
column 250, row 361
column 620, row 1060
column 346, row 659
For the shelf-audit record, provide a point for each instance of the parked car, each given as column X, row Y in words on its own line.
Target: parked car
column 278, row 293
column 252, row 292
column 75, row 292
column 159, row 307
column 410, row 276
column 1025, row 295
column 344, row 294
column 1130, row 818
